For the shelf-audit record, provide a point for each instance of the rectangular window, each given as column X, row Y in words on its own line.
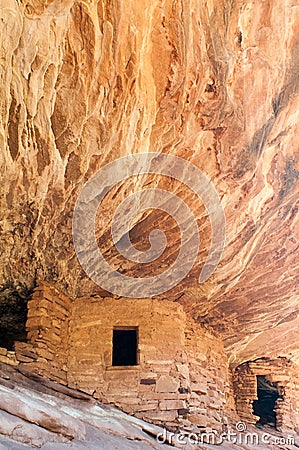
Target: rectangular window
column 124, row 346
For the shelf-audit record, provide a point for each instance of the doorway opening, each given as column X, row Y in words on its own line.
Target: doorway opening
column 264, row 406
column 124, row 346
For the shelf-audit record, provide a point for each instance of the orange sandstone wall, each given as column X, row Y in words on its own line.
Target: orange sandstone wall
column 47, row 326
column 281, row 371
column 209, row 378
column 182, row 376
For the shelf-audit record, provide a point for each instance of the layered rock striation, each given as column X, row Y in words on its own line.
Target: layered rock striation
column 214, row 82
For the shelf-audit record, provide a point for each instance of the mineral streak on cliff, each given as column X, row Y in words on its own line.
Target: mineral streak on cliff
column 215, row 82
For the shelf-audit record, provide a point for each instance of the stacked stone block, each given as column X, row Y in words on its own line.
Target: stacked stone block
column 281, row 371
column 209, row 378
column 45, row 353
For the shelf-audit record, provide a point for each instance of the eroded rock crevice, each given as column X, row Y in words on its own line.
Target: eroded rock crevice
column 13, row 314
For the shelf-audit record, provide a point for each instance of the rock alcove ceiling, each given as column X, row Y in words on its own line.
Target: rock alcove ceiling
column 215, row 82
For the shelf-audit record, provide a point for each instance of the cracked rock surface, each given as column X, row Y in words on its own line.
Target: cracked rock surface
column 215, row 82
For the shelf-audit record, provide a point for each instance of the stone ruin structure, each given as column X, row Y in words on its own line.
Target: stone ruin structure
column 149, row 359
column 282, row 376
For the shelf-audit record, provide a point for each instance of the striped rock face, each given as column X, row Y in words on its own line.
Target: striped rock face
column 215, row 83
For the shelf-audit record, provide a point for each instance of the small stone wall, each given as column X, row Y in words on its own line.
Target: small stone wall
column 208, row 377
column 47, row 325
column 182, row 375
column 281, row 371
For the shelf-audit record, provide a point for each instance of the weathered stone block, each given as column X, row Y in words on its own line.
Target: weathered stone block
column 9, row 360
column 162, row 416
column 183, row 369
column 166, row 383
column 198, row 420
column 200, row 388
column 171, row 404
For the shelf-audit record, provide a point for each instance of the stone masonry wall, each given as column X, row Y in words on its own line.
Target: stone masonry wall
column 281, row 371
column 182, row 375
column 45, row 352
column 208, row 378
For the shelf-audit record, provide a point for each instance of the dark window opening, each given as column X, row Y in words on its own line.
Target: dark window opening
column 264, row 406
column 124, row 347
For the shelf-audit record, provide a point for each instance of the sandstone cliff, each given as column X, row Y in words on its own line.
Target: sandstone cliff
column 215, row 82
